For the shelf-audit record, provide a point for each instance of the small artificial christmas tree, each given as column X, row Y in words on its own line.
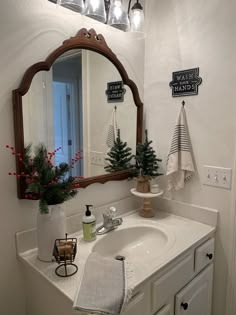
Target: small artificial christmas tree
column 119, row 156
column 147, row 161
column 146, row 166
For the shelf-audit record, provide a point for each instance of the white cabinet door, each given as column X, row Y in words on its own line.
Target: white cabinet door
column 195, row 297
column 139, row 304
column 165, row 287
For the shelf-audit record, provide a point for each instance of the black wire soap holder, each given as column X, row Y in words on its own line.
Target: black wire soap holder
column 64, row 252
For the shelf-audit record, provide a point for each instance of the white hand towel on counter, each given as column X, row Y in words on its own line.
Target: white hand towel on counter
column 105, row 288
column 179, row 168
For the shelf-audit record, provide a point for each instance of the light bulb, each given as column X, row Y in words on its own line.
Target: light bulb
column 117, row 3
column 118, row 17
column 96, row 10
column 117, row 12
column 137, row 20
column 95, row 4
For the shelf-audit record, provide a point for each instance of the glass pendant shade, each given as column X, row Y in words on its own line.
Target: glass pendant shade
column 95, row 9
column 75, row 5
column 117, row 17
column 137, row 18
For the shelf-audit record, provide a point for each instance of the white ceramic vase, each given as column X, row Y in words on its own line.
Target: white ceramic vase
column 50, row 226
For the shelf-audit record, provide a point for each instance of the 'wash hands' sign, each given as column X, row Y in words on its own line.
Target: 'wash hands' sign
column 185, row 82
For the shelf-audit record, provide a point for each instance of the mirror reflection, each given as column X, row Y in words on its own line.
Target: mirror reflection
column 69, row 107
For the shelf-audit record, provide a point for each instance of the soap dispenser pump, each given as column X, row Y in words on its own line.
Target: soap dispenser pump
column 89, row 225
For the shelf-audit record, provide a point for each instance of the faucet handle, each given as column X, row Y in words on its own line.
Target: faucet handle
column 112, row 212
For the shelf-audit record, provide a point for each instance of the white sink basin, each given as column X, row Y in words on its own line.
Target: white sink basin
column 136, row 243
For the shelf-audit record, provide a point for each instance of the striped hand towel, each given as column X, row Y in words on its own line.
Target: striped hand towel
column 112, row 130
column 179, row 166
column 106, row 286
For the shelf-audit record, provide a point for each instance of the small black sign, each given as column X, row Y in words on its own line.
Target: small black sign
column 185, row 82
column 115, row 92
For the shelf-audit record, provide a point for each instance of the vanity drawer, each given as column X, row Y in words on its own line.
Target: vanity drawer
column 166, row 286
column 204, row 254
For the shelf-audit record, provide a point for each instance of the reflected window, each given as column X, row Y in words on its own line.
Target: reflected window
column 67, row 107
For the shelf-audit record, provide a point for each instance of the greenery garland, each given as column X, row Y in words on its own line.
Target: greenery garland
column 51, row 184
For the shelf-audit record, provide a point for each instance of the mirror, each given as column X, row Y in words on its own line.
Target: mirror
column 68, row 107
column 71, row 100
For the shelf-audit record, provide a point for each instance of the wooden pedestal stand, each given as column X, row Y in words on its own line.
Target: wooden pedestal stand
column 147, row 211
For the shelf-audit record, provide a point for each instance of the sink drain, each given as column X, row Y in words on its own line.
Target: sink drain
column 119, row 257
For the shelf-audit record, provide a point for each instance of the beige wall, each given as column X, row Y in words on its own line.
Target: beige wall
column 182, row 35
column 100, row 71
column 30, row 30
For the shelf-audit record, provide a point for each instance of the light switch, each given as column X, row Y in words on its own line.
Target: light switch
column 97, row 158
column 217, row 176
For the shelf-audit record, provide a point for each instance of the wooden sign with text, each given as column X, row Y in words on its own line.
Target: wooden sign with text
column 185, row 82
column 115, row 92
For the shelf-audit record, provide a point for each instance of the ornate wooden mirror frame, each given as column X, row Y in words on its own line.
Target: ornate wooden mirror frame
column 87, row 40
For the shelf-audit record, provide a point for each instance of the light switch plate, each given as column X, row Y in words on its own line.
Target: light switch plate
column 97, row 158
column 217, row 176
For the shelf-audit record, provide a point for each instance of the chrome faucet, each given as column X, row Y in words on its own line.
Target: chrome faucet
column 110, row 222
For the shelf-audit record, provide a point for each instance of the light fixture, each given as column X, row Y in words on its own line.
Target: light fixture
column 118, row 17
column 136, row 17
column 74, row 5
column 95, row 9
column 111, row 12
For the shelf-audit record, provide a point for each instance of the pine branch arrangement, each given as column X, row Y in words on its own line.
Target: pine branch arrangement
column 146, row 160
column 119, row 156
column 43, row 179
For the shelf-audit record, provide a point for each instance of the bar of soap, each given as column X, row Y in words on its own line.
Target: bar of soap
column 66, row 251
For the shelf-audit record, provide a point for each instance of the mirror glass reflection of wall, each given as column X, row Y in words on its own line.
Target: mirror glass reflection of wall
column 67, row 107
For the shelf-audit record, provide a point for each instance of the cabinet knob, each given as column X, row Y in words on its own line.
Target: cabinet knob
column 210, row 256
column 184, row 305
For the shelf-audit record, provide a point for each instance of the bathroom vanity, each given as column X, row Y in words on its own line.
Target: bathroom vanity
column 171, row 257
column 179, row 288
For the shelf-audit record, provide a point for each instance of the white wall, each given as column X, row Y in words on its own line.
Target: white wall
column 30, row 30
column 38, row 111
column 182, row 35
column 99, row 72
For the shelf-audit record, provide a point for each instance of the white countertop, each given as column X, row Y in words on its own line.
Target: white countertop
column 184, row 234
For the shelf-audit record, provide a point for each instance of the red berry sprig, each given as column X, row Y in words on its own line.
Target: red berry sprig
column 33, row 177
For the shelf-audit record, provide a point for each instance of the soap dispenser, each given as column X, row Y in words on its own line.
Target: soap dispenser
column 89, row 225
